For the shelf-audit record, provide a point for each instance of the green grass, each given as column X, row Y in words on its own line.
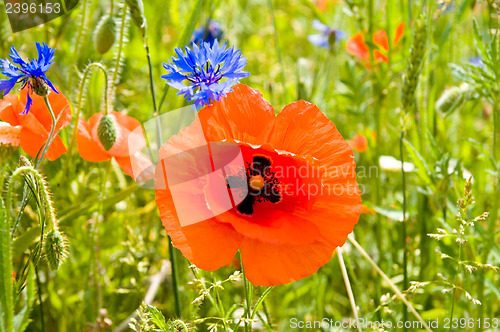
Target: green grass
column 118, row 247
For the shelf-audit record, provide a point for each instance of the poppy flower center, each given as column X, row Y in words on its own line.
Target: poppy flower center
column 256, row 182
column 259, row 182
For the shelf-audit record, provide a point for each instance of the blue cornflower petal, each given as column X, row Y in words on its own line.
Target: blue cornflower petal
column 323, row 28
column 207, row 33
column 205, row 73
column 319, row 40
column 29, row 102
column 323, row 38
column 27, row 72
column 7, row 85
column 476, row 61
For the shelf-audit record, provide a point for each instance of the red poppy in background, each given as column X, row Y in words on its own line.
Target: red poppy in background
column 359, row 143
column 356, row 44
column 37, row 124
column 125, row 153
column 284, row 232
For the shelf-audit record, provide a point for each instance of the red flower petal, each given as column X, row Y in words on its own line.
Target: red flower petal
column 356, row 46
column 379, row 56
column 400, row 31
column 87, row 147
column 271, row 265
column 381, row 40
column 242, row 116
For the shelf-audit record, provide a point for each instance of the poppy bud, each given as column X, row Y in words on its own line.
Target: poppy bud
column 107, row 131
column 137, row 13
column 453, row 97
column 54, row 249
column 23, row 161
column 105, row 34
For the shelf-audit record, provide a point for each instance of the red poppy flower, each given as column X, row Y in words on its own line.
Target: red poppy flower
column 125, row 151
column 37, row 124
column 302, row 198
column 359, row 143
column 356, row 44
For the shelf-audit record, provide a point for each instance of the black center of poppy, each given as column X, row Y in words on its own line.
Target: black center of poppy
column 258, row 183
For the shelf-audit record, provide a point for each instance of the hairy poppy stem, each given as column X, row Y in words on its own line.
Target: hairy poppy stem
column 388, row 280
column 348, row 287
column 79, row 106
column 52, row 130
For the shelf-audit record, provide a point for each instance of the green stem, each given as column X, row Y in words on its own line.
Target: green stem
column 52, row 130
column 454, row 287
column 246, row 287
column 79, row 104
column 403, row 226
column 175, row 282
column 39, row 286
column 121, row 43
column 278, row 51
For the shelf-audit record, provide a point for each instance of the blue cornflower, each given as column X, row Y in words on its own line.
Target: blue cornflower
column 476, row 61
column 205, row 73
column 31, row 73
column 207, row 33
column 326, row 36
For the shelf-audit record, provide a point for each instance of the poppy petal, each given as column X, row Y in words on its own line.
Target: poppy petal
column 241, row 115
column 88, row 148
column 39, row 110
column 9, row 135
column 9, row 107
column 137, row 165
column 356, row 46
column 400, row 31
column 381, row 40
column 270, row 265
column 208, row 244
column 32, row 144
column 379, row 56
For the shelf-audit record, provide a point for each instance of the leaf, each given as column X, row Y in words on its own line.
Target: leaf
column 479, row 41
column 80, row 209
column 6, row 287
column 435, row 148
column 261, row 299
column 25, row 240
column 423, row 170
column 158, row 318
column 391, row 213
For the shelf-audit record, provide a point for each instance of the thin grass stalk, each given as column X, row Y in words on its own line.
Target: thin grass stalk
column 403, row 226
column 247, row 290
column 377, row 113
column 348, row 287
column 388, row 280
column 278, row 51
